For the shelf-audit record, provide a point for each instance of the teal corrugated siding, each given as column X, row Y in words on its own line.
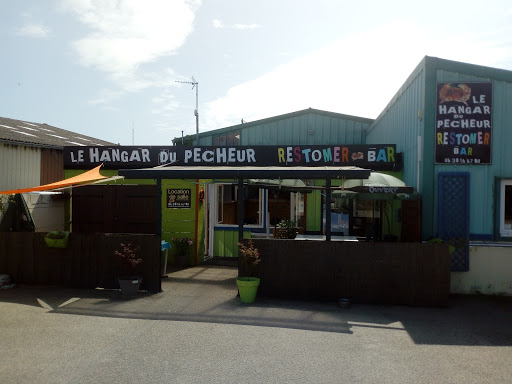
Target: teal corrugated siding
column 482, row 176
column 307, row 127
column 402, row 123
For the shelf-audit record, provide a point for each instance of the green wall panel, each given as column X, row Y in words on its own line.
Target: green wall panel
column 181, row 222
column 226, row 242
column 313, row 211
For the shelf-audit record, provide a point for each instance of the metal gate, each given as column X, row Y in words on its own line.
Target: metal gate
column 453, row 217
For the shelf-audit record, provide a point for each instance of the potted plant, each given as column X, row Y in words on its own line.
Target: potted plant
column 57, row 239
column 248, row 285
column 128, row 279
column 286, row 229
column 181, row 246
column 453, row 244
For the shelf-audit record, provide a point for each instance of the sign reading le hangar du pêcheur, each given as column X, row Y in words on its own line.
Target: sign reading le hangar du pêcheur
column 382, row 157
column 464, row 123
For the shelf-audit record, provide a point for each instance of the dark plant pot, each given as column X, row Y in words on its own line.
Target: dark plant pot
column 129, row 286
column 181, row 260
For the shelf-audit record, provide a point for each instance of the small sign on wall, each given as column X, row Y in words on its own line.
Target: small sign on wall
column 178, row 198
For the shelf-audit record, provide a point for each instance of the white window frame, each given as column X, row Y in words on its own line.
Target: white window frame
column 219, row 200
column 504, row 231
column 219, row 197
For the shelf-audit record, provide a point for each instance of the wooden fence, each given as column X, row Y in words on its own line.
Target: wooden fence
column 87, row 262
column 365, row 272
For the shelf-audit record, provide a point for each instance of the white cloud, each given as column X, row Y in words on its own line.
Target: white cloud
column 217, row 24
column 164, row 103
column 356, row 76
column 33, row 30
column 246, row 26
column 126, row 34
column 105, row 96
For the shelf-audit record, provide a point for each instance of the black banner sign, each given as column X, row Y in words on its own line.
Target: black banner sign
column 178, row 198
column 464, row 123
column 378, row 157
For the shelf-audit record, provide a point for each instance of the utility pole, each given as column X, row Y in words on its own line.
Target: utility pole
column 196, row 111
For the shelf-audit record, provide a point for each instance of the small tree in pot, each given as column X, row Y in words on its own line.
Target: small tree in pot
column 182, row 247
column 128, row 279
column 248, row 285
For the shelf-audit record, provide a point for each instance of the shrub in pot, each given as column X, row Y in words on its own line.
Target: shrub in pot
column 287, row 229
column 129, row 280
column 181, row 247
column 248, row 285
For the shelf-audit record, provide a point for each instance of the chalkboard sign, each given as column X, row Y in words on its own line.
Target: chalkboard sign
column 178, row 198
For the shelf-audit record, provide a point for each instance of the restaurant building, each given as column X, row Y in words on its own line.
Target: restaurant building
column 445, row 134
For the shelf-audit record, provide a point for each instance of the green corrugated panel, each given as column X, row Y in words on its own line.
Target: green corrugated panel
column 226, row 243
column 313, row 211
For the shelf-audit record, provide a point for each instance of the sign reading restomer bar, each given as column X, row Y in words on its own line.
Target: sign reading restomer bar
column 464, row 123
column 378, row 157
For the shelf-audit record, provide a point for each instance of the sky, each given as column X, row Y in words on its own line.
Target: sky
column 120, row 70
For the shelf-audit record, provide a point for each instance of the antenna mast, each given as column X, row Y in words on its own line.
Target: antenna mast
column 196, row 111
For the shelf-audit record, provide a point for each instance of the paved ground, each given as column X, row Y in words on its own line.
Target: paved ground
column 197, row 331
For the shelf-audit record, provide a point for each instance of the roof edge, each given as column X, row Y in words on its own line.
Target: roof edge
column 276, row 118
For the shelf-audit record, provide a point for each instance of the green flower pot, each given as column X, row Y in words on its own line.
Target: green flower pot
column 57, row 239
column 247, row 287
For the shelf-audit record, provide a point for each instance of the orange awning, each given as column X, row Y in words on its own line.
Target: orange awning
column 92, row 175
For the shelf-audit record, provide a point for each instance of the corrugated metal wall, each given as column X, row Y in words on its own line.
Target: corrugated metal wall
column 482, row 176
column 300, row 128
column 20, row 166
column 307, row 129
column 401, row 123
column 412, row 112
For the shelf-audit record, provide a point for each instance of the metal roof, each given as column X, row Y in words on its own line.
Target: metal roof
column 276, row 119
column 42, row 135
column 197, row 172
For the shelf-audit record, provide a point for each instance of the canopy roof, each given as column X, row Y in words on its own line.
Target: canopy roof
column 199, row 172
column 86, row 177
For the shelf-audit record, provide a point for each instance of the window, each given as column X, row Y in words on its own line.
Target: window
column 286, row 205
column 227, row 140
column 506, row 208
column 227, row 205
column 354, row 217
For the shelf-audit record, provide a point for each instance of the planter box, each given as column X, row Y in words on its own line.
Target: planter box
column 57, row 243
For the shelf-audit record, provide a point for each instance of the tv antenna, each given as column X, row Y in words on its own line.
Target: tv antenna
column 196, row 111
